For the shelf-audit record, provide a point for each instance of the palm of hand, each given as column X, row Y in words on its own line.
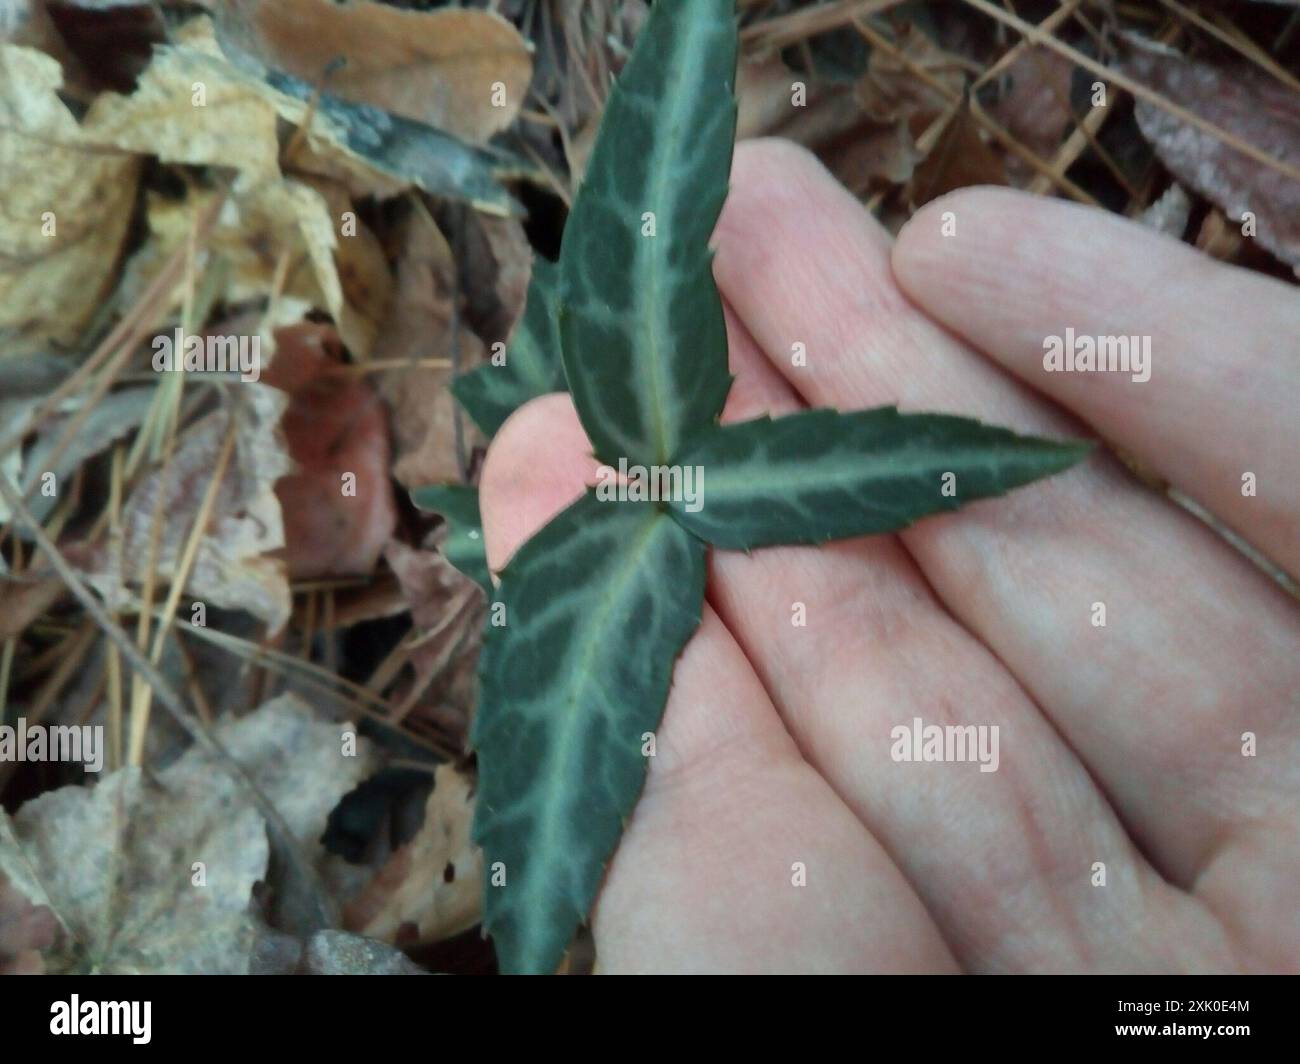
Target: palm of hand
column 776, row 832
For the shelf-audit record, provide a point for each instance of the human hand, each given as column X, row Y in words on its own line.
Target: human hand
column 1120, row 745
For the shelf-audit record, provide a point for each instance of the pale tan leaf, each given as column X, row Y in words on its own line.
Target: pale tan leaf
column 263, row 227
column 191, row 106
column 365, row 285
column 65, row 211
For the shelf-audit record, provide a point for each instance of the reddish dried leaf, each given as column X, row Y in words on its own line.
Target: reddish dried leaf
column 959, row 159
column 1035, row 108
column 26, row 931
column 335, row 425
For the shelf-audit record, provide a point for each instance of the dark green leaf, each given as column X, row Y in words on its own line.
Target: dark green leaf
column 458, row 505
column 490, row 394
column 597, row 605
column 820, row 475
column 644, row 341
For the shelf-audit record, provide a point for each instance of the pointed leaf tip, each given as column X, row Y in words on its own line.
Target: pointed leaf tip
column 820, row 475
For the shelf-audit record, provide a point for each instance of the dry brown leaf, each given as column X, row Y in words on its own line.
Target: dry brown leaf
column 115, row 863
column 265, row 217
column 857, row 148
column 1035, row 108
column 447, row 615
column 335, row 425
column 890, row 92
column 66, row 207
column 332, row 261
column 444, row 68
column 960, row 158
column 367, row 151
column 423, row 325
column 232, row 568
column 1251, row 104
column 194, row 107
column 496, row 265
column 432, row 887
column 271, row 220
column 365, row 285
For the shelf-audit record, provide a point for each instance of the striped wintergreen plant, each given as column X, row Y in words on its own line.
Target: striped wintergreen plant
column 590, row 615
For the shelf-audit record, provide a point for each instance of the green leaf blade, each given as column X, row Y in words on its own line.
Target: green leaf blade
column 464, row 548
column 563, row 708
column 820, row 475
column 644, row 341
column 489, row 393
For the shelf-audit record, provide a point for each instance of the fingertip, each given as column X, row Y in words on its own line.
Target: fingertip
column 929, row 238
column 539, row 462
column 770, row 177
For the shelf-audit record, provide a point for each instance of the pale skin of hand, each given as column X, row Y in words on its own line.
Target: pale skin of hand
column 1121, row 745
